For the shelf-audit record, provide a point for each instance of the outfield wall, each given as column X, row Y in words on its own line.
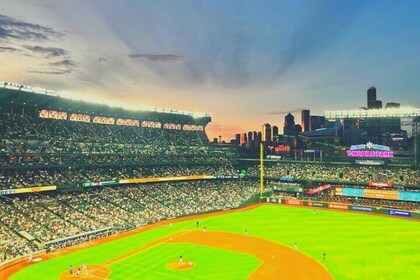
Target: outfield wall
column 344, row 206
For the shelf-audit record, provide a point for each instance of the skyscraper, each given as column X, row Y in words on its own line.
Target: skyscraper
column 243, row 139
column 255, row 137
column 238, row 139
column 371, row 97
column 275, row 131
column 266, row 132
column 289, row 125
column 306, row 120
column 250, row 136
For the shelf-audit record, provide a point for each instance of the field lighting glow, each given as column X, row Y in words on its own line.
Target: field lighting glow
column 100, row 100
column 403, row 112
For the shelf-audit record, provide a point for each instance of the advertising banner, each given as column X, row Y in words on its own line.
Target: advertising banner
column 355, row 192
column 317, row 204
column 293, row 202
column 36, row 189
column 227, row 176
column 6, row 192
column 409, row 196
column 318, row 189
column 342, row 206
column 380, row 184
column 361, row 208
column 288, row 189
column 338, row 191
column 101, row 183
column 399, row 213
column 286, row 179
column 381, row 194
column 165, row 179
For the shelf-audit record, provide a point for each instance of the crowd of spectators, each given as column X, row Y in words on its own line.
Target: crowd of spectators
column 16, row 126
column 20, row 178
column 341, row 173
column 42, row 218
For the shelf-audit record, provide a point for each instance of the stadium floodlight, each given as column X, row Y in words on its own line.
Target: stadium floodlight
column 403, row 112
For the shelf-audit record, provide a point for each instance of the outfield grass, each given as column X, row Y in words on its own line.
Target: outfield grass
column 358, row 246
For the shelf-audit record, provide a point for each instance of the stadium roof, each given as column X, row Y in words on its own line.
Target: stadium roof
column 16, row 96
column 403, row 112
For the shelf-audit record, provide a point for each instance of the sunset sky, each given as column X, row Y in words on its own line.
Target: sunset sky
column 244, row 62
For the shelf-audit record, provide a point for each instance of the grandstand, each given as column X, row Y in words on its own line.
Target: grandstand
column 72, row 171
column 54, row 149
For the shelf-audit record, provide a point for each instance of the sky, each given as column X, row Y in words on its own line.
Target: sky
column 244, row 62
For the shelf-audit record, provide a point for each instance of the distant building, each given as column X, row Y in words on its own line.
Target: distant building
column 244, row 139
column 255, row 137
column 375, row 104
column 391, row 105
column 250, row 138
column 306, row 120
column 298, row 129
column 371, row 96
column 318, row 122
column 275, row 131
column 289, row 125
column 238, row 139
column 266, row 132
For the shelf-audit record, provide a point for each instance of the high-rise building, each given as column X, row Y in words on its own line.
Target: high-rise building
column 306, row 120
column 266, row 132
column 371, row 96
column 255, row 137
column 238, row 139
column 298, row 129
column 243, row 139
column 318, row 122
column 275, row 131
column 250, row 136
column 376, row 104
column 289, row 125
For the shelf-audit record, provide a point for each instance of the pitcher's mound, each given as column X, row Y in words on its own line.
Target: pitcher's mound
column 93, row 273
column 176, row 265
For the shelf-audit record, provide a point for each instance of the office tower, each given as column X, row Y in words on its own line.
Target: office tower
column 255, row 136
column 238, row 139
column 266, row 132
column 371, row 96
column 244, row 139
column 306, row 120
column 289, row 125
column 275, row 131
column 250, row 136
column 318, row 122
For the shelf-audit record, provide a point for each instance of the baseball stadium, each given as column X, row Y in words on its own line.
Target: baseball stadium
column 89, row 191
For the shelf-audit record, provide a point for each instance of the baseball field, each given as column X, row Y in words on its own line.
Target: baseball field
column 261, row 242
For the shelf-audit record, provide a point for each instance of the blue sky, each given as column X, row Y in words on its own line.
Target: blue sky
column 245, row 62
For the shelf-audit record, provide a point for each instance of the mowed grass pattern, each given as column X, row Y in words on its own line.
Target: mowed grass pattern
column 358, row 246
column 151, row 264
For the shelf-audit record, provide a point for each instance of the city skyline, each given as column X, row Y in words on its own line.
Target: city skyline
column 245, row 64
